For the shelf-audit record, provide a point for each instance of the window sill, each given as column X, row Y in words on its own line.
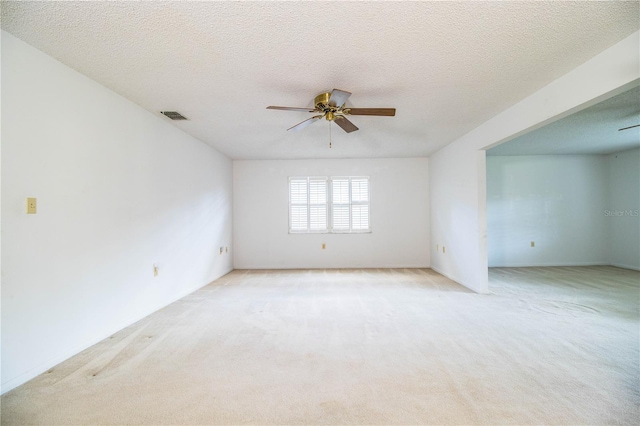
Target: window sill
column 328, row 232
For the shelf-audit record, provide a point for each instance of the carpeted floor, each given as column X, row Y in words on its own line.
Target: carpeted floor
column 549, row 346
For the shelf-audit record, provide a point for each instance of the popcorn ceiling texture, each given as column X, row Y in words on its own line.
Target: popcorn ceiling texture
column 593, row 130
column 446, row 66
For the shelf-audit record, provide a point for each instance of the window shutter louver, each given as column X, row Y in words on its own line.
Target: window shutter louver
column 360, row 217
column 340, row 218
column 298, row 205
column 298, row 218
column 298, row 191
column 307, row 204
column 359, row 204
column 340, row 204
column 360, row 190
column 319, row 204
column 340, row 191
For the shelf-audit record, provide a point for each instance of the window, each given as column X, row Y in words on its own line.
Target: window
column 336, row 204
column 308, row 204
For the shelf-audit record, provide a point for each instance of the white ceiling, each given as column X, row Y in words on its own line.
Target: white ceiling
column 594, row 130
column 446, row 66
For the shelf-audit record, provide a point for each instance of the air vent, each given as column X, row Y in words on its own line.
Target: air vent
column 174, row 115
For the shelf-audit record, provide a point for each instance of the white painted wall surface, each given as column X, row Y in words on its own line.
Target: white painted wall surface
column 556, row 201
column 457, row 239
column 1, row 274
column 399, row 216
column 623, row 207
column 457, row 171
column 118, row 190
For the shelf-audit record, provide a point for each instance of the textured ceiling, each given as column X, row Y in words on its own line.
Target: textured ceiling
column 446, row 66
column 593, row 130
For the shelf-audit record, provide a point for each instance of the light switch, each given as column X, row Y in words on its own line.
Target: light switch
column 31, row 206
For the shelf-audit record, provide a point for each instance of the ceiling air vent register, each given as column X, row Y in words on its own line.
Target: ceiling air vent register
column 174, row 115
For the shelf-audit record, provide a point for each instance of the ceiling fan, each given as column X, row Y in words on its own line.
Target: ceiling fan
column 331, row 106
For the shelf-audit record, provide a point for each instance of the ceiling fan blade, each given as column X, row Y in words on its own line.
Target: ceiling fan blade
column 305, row 123
column 630, row 127
column 346, row 125
column 338, row 97
column 291, row 108
column 386, row 112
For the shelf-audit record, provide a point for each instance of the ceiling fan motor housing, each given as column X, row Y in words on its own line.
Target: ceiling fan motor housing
column 322, row 100
column 323, row 105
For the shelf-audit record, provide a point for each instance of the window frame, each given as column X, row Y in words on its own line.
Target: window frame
column 329, row 205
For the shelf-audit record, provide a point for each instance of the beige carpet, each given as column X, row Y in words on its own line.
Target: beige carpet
column 549, row 346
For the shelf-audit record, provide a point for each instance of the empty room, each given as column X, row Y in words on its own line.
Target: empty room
column 325, row 212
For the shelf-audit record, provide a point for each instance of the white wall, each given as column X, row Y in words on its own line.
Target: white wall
column 457, row 172
column 399, row 216
column 118, row 190
column 556, row 201
column 623, row 208
column 458, row 233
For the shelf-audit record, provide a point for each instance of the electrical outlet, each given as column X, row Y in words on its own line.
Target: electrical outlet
column 31, row 206
column 324, row 246
column 156, row 270
column 533, row 244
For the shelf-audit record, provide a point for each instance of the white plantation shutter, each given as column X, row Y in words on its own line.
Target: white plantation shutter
column 359, row 204
column 340, row 204
column 298, row 204
column 360, row 190
column 359, row 217
column 340, row 216
column 344, row 209
column 298, row 191
column 340, row 190
column 318, row 218
column 307, row 204
column 317, row 204
column 298, row 218
column 350, row 204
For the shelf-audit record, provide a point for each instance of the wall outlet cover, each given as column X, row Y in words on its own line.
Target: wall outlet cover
column 31, row 206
